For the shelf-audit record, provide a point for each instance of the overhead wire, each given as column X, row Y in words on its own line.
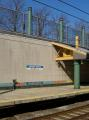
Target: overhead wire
column 73, row 7
column 61, row 11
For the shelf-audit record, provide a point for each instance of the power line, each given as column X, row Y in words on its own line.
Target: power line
column 61, row 11
column 73, row 7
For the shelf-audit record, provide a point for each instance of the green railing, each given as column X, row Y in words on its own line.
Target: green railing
column 26, row 23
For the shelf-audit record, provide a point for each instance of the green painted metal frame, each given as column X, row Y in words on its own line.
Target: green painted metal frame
column 29, row 25
column 83, row 36
column 77, row 74
column 61, row 33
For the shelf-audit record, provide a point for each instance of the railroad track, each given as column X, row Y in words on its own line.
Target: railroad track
column 77, row 111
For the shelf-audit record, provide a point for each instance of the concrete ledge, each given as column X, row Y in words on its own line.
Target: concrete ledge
column 39, row 94
column 6, row 103
column 27, row 36
column 63, row 95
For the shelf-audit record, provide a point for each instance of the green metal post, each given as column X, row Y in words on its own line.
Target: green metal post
column 83, row 36
column 29, row 25
column 61, row 30
column 77, row 74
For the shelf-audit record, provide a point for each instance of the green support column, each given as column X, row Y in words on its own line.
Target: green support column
column 29, row 25
column 77, row 74
column 61, row 30
column 83, row 36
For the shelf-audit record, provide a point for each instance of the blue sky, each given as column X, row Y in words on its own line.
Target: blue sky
column 82, row 4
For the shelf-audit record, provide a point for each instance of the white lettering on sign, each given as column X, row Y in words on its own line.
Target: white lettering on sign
column 38, row 67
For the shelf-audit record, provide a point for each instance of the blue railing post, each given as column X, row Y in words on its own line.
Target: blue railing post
column 83, row 37
column 61, row 30
column 29, row 22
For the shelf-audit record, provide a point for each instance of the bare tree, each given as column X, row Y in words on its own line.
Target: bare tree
column 12, row 17
column 80, row 24
column 42, row 15
column 65, row 18
column 54, row 30
column 15, row 16
column 56, row 25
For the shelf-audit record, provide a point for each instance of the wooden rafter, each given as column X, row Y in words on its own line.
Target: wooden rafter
column 66, row 52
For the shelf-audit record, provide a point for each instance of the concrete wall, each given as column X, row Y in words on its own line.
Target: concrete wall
column 85, row 72
column 17, row 51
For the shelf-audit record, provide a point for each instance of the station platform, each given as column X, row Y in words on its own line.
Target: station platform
column 20, row 96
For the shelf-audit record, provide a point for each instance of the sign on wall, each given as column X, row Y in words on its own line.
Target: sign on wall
column 37, row 67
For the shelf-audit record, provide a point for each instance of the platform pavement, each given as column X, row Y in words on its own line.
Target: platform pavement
column 20, row 96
